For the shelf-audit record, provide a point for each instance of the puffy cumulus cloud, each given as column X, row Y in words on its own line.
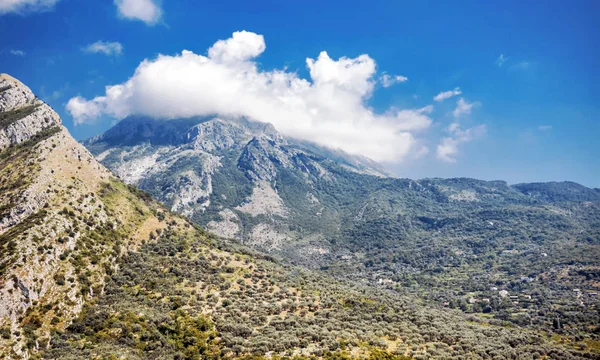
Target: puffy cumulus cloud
column 25, row 6
column 462, row 108
column 329, row 108
column 17, row 52
column 447, row 150
column 389, row 80
column 412, row 119
column 343, row 76
column 104, row 47
column 84, row 111
column 447, row 94
column 145, row 10
column 242, row 46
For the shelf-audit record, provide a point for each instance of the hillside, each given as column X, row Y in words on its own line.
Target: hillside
column 525, row 254
column 93, row 268
column 64, row 222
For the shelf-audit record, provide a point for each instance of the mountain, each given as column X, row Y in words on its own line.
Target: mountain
column 223, row 174
column 92, row 268
column 65, row 221
column 514, row 253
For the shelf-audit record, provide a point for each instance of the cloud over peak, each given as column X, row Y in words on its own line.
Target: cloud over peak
column 241, row 46
column 145, row 10
column 329, row 108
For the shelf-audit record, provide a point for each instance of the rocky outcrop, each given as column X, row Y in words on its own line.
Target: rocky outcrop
column 22, row 115
column 216, row 135
column 264, row 201
column 13, row 94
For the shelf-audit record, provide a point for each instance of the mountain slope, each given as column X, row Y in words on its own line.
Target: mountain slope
column 226, row 169
column 63, row 221
column 93, row 268
column 463, row 243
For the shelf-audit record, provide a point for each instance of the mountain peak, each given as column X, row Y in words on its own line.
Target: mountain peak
column 14, row 94
column 22, row 114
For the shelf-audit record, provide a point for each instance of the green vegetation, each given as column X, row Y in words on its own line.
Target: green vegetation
column 8, row 244
column 9, row 154
column 185, row 296
column 9, row 117
column 516, row 256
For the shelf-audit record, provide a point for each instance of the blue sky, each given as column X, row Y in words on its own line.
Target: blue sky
column 531, row 115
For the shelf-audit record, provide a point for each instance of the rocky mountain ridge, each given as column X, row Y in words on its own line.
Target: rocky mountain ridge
column 23, row 114
column 180, row 171
column 244, row 180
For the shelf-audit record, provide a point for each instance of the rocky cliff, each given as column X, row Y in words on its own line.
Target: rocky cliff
column 63, row 222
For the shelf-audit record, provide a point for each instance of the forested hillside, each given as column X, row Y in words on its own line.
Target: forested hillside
column 523, row 255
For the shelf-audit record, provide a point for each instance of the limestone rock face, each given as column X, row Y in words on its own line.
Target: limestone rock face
column 14, row 94
column 23, row 115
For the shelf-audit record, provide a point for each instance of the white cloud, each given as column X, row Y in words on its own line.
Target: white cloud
column 241, row 47
column 145, row 10
column 25, row 6
column 462, row 108
column 412, row 119
column 329, row 108
column 389, row 80
column 104, row 47
column 501, row 60
column 17, row 52
column 447, row 150
column 545, row 128
column 83, row 111
column 447, row 94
